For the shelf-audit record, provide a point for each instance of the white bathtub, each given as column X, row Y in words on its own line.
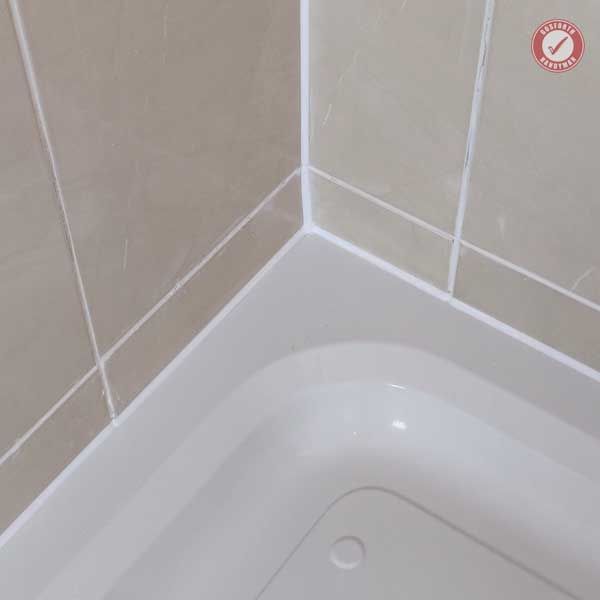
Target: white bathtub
column 318, row 443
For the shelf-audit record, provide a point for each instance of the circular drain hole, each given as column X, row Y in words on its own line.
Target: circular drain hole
column 347, row 553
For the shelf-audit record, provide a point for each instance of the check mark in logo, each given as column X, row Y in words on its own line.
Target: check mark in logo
column 556, row 48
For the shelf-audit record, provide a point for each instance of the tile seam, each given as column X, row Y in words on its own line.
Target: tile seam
column 474, row 120
column 305, row 111
column 40, row 116
column 22, row 440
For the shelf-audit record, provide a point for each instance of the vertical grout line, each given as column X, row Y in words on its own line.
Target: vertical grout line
column 40, row 116
column 482, row 64
column 305, row 111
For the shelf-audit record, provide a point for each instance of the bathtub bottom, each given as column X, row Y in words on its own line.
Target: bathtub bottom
column 374, row 544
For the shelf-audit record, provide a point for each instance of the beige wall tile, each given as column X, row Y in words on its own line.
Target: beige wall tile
column 531, row 307
column 391, row 90
column 171, row 121
column 149, row 349
column 44, row 348
column 534, row 198
column 25, row 474
column 386, row 234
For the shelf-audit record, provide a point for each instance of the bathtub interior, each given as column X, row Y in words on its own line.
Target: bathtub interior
column 471, row 507
column 309, row 415
column 397, row 550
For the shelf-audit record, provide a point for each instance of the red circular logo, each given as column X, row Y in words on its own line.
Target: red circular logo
column 557, row 45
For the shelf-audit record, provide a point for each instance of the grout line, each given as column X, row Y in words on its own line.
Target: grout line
column 471, row 140
column 537, row 278
column 198, row 267
column 40, row 422
column 381, row 203
column 462, row 306
column 305, row 80
column 40, row 116
column 305, row 110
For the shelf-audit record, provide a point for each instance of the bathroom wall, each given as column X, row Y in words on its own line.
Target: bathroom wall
column 439, row 145
column 148, row 170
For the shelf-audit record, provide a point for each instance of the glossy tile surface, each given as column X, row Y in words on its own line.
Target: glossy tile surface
column 530, row 307
column 391, row 90
column 44, row 347
column 387, row 235
column 533, row 197
column 50, row 449
column 167, row 332
column 170, row 122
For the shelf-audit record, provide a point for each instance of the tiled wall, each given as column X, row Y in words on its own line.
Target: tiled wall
column 400, row 90
column 145, row 144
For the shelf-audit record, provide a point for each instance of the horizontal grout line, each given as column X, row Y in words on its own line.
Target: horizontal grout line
column 463, row 307
column 40, row 116
column 537, row 278
column 465, row 182
column 65, row 397
column 381, row 203
column 190, row 275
